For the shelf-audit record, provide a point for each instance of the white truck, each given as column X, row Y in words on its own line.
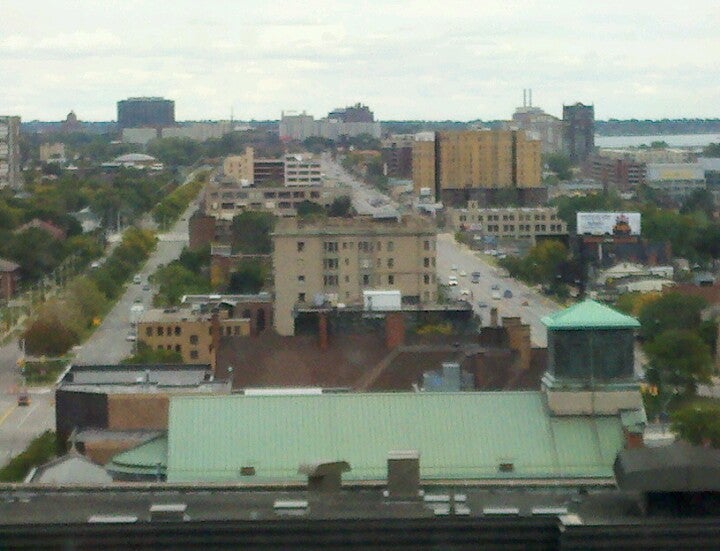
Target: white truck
column 136, row 312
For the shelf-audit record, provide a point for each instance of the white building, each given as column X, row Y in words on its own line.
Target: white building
column 678, row 180
column 10, row 175
column 300, row 126
column 302, row 170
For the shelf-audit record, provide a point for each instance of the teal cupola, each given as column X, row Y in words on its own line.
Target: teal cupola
column 590, row 345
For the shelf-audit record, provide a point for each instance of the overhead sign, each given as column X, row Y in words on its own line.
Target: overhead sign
column 608, row 223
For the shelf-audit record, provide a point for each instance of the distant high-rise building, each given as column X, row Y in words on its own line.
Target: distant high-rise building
column 354, row 113
column 10, row 175
column 538, row 124
column 300, row 126
column 579, row 132
column 485, row 166
column 151, row 111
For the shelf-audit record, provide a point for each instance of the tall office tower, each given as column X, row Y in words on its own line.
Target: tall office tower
column 486, row 166
column 10, row 175
column 579, row 134
column 353, row 113
column 151, row 111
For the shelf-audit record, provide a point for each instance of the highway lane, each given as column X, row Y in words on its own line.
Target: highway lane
column 450, row 253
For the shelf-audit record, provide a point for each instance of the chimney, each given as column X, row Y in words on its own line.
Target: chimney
column 518, row 335
column 633, row 439
column 524, row 97
column 322, row 331
column 394, row 330
column 215, row 338
column 529, row 97
column 403, row 480
column 493, row 317
column 324, row 477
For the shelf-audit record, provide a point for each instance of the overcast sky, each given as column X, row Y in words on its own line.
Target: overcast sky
column 407, row 60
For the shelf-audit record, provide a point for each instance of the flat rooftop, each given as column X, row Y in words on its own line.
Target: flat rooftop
column 357, row 226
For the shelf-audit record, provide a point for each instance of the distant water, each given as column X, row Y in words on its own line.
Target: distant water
column 674, row 140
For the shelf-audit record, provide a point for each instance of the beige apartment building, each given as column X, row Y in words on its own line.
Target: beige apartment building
column 240, row 168
column 510, row 223
column 336, row 260
column 189, row 333
column 476, row 164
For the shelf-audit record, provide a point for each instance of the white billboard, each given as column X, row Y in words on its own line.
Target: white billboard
column 608, row 223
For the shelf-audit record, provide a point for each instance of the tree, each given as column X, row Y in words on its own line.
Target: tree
column 700, row 200
column 49, row 337
column 543, row 261
column 712, row 150
column 307, row 209
column 670, row 311
column 251, row 232
column 698, row 424
column 679, row 361
column 249, row 277
column 561, row 165
column 341, row 207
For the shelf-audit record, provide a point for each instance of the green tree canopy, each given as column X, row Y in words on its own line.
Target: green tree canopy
column 712, row 150
column 147, row 355
column 251, row 232
column 679, row 360
column 249, row 277
column 698, row 424
column 560, row 164
column 670, row 311
column 306, row 209
column 341, row 207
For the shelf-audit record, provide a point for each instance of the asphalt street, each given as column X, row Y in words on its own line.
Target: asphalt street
column 107, row 345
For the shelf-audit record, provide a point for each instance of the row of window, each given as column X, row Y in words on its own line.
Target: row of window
column 178, row 348
column 495, row 228
column 266, row 195
column 302, row 297
column 363, row 246
column 331, row 280
column 507, row 217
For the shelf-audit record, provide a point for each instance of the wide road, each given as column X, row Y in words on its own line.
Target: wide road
column 453, row 255
column 107, row 345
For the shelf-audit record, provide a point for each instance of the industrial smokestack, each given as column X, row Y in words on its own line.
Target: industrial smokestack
column 529, row 97
column 524, row 97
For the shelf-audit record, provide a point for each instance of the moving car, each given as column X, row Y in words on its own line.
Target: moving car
column 495, row 287
column 495, row 294
column 452, row 281
column 507, row 293
column 137, row 279
column 475, row 277
column 132, row 337
column 482, row 304
column 23, row 398
column 146, row 287
column 463, row 273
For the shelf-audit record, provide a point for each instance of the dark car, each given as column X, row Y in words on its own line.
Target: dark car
column 475, row 277
column 507, row 293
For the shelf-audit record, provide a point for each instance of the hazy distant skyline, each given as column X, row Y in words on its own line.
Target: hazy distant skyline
column 406, row 60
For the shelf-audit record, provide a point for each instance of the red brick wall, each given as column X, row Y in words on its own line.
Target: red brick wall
column 201, row 230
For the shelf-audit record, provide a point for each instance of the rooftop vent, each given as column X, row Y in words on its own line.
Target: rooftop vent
column 170, row 512
column 325, row 477
column 403, row 480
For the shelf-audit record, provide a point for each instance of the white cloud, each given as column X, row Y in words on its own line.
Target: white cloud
column 421, row 59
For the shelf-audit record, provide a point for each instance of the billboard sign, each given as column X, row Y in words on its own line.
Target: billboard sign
column 608, row 223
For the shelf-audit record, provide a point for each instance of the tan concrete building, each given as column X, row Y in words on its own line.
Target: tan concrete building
column 335, row 261
column 193, row 335
column 511, row 223
column 302, row 170
column 52, row 152
column 240, row 167
column 477, row 164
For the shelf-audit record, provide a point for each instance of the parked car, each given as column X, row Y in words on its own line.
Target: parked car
column 132, row 337
column 452, row 281
column 463, row 273
column 137, row 279
column 146, row 287
column 507, row 293
column 482, row 304
column 23, row 398
column 475, row 277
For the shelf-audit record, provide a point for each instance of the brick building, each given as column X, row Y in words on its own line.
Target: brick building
column 9, row 278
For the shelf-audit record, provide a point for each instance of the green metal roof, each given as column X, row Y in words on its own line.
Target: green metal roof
column 459, row 436
column 589, row 314
column 142, row 459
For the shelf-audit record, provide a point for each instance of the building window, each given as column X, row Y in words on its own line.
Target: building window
column 391, row 263
column 330, row 246
column 433, row 261
column 379, row 246
column 301, row 278
column 301, row 297
column 366, row 279
column 426, row 262
column 193, row 339
column 177, row 330
column 300, row 246
column 390, row 246
column 148, row 331
column 344, row 245
column 160, row 331
column 330, row 280
column 236, row 330
column 426, row 245
column 330, row 263
column 391, row 279
column 426, row 279
column 194, row 354
column 178, row 348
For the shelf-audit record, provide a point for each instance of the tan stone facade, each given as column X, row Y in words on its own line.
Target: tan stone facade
column 240, row 167
column 515, row 223
column 477, row 159
column 340, row 258
column 187, row 333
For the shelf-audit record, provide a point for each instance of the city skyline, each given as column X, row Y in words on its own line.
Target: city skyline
column 632, row 60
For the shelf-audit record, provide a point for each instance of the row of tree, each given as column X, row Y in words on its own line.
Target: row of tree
column 63, row 321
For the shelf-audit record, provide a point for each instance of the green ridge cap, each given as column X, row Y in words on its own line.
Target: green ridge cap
column 589, row 314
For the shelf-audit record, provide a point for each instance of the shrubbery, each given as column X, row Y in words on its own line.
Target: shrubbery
column 41, row 450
